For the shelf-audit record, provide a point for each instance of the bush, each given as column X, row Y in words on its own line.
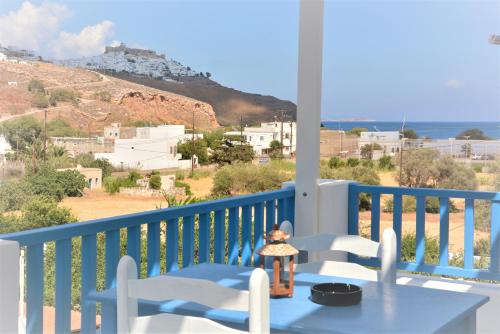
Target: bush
column 44, row 212
column 187, row 187
column 247, row 178
column 112, row 184
column 198, row 148
column 40, row 101
column 385, row 163
column 335, row 162
column 352, row 162
column 432, row 205
column 36, row 86
column 63, row 95
column 180, row 175
column 72, row 181
column 408, row 249
column 88, row 161
column 14, row 194
column 155, row 182
column 367, row 163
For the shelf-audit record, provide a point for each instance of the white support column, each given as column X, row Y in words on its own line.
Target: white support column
column 9, row 286
column 308, row 116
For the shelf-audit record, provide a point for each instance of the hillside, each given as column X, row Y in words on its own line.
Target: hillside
column 229, row 104
column 101, row 99
column 148, row 68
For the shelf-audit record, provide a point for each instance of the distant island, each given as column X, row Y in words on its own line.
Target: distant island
column 349, row 120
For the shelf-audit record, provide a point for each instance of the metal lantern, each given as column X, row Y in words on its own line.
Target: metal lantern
column 277, row 248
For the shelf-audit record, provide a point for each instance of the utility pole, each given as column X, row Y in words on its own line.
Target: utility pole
column 282, row 114
column 192, row 148
column 401, row 160
column 241, row 130
column 291, row 139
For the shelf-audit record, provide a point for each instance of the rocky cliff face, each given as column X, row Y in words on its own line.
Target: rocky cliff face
column 169, row 108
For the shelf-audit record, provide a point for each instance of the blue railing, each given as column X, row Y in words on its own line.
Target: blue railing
column 442, row 268
column 210, row 232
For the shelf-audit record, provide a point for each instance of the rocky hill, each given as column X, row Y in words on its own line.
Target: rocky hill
column 101, row 99
column 148, row 68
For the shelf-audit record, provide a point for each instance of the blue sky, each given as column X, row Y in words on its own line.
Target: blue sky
column 426, row 60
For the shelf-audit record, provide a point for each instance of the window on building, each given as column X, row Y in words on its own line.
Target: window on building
column 261, row 138
column 249, row 138
column 287, row 135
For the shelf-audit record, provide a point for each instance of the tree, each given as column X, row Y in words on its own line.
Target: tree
column 356, row 131
column 40, row 101
column 44, row 212
column 227, row 153
column 155, row 182
column 199, row 148
column 467, row 150
column 72, row 181
column 87, row 160
column 208, row 74
column 36, row 86
column 418, row 168
column 423, row 168
column 352, row 162
column 275, row 150
column 476, row 134
column 367, row 150
column 22, row 132
column 410, row 134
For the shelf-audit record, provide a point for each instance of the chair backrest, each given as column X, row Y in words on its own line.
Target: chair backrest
column 385, row 251
column 208, row 293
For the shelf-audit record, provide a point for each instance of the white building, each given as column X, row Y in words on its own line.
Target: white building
column 4, row 148
column 3, row 57
column 388, row 140
column 260, row 138
column 151, row 148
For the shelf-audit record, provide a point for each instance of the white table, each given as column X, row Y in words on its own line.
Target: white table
column 383, row 309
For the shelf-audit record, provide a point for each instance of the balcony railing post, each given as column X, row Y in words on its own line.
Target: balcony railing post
column 495, row 236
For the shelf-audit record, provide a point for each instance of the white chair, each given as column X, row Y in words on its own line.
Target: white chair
column 204, row 292
column 385, row 251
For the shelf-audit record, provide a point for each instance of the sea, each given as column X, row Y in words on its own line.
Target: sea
column 434, row 130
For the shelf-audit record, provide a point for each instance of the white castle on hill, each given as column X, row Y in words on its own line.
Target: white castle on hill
column 137, row 61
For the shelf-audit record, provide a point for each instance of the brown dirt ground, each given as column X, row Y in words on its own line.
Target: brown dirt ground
column 99, row 204
column 201, row 187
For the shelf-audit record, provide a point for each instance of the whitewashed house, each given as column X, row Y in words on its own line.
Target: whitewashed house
column 151, row 148
column 260, row 138
column 3, row 57
column 4, row 148
column 388, row 140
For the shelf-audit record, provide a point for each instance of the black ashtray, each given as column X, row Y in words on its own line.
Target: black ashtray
column 336, row 294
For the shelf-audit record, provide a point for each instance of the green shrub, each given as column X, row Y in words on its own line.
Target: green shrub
column 187, row 187
column 180, row 175
column 36, row 86
column 112, row 184
column 352, row 162
column 385, row 163
column 477, row 168
column 14, row 194
column 432, row 205
column 247, row 178
column 408, row 249
column 72, row 181
column 155, row 182
column 40, row 101
column 63, row 95
column 335, row 162
column 368, row 163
